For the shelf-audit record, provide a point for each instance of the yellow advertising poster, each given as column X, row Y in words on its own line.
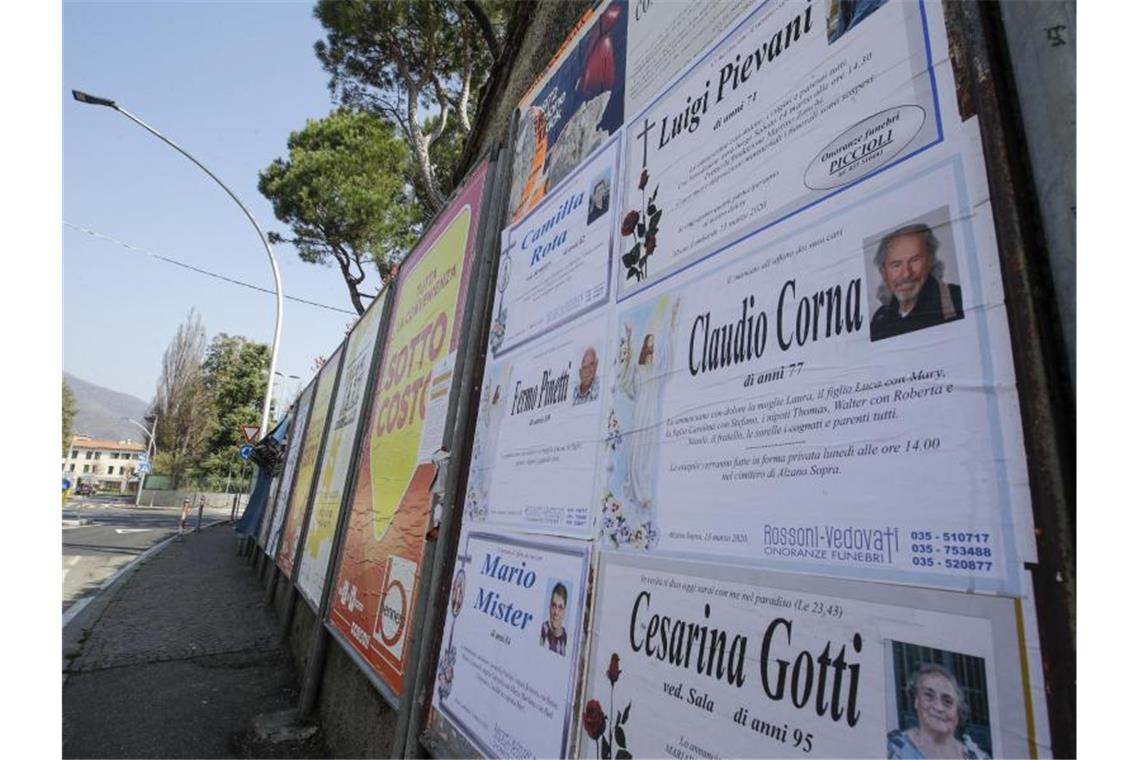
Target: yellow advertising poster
column 347, row 409
column 383, row 546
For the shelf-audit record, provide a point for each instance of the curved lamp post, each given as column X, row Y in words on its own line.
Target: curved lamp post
column 297, row 387
column 94, row 100
column 149, row 450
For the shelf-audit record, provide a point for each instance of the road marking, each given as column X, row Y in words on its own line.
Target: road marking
column 131, row 530
column 75, row 608
column 69, row 563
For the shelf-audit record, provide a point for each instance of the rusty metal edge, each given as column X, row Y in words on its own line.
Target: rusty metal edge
column 1046, row 396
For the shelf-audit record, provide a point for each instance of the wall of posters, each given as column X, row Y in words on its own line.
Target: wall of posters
column 781, row 114
column 347, row 407
column 771, row 389
column 555, row 264
column 697, row 660
column 512, row 642
column 577, row 103
column 535, row 450
column 306, row 468
column 379, row 568
column 292, row 456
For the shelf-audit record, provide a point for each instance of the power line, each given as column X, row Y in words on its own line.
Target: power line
column 192, row 268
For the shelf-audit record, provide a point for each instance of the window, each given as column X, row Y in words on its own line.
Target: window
column 86, row 469
column 88, row 455
column 122, row 470
column 114, row 455
column 71, row 469
column 74, row 454
column 98, row 454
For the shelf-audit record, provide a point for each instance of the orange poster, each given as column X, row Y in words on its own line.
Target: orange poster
column 380, row 563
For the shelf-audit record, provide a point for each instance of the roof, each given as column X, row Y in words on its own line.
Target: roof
column 84, row 442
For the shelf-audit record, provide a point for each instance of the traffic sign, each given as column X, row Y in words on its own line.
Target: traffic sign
column 144, row 468
column 142, row 456
column 66, row 484
column 245, row 451
column 250, row 432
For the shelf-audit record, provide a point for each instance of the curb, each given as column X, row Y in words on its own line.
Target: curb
column 85, row 613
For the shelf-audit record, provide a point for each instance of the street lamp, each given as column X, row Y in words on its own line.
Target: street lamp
column 95, row 100
column 296, row 388
column 149, row 450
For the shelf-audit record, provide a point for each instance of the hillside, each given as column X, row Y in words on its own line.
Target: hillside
column 101, row 411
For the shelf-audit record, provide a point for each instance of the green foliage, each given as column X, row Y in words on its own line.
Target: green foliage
column 412, row 62
column 235, row 372
column 69, row 411
column 181, row 402
column 344, row 195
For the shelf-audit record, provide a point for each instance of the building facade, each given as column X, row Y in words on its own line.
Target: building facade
column 110, row 466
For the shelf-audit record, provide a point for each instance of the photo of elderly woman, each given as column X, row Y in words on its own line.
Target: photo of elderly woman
column 943, row 707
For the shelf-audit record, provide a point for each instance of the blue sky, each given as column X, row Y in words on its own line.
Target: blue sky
column 228, row 81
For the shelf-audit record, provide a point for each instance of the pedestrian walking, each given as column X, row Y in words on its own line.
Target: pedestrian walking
column 183, row 516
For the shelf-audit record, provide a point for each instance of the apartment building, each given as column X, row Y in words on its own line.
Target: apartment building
column 111, row 466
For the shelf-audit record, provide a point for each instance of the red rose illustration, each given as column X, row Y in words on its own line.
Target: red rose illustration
column 629, row 224
column 614, row 671
column 593, row 719
column 650, row 244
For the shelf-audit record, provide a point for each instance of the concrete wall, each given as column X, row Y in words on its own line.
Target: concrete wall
column 174, row 499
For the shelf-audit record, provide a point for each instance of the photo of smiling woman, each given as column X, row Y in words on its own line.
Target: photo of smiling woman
column 942, row 705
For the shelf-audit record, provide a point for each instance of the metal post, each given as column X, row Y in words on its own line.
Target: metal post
column 83, row 97
column 149, row 450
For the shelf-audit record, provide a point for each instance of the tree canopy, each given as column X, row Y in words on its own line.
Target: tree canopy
column 343, row 192
column 181, row 401
column 234, row 373
column 69, row 410
column 416, row 64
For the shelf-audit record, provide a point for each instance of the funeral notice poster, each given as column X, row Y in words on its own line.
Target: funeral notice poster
column 574, row 107
column 511, row 646
column 347, row 409
column 306, row 468
column 782, row 113
column 292, row 456
column 665, row 36
column 773, row 407
column 555, row 264
column 535, row 449
column 379, row 567
column 695, row 660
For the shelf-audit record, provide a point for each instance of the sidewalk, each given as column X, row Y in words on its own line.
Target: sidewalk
column 177, row 659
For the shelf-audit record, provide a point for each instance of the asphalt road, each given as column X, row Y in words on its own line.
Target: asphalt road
column 113, row 536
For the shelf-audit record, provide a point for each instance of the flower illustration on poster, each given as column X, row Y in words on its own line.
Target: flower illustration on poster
column 642, row 366
column 446, row 668
column 608, row 730
column 641, row 225
column 492, row 409
column 499, row 324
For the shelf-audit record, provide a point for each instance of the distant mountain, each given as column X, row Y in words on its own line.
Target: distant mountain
column 101, row 411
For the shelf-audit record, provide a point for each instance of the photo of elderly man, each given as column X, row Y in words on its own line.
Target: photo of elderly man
column 915, row 295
